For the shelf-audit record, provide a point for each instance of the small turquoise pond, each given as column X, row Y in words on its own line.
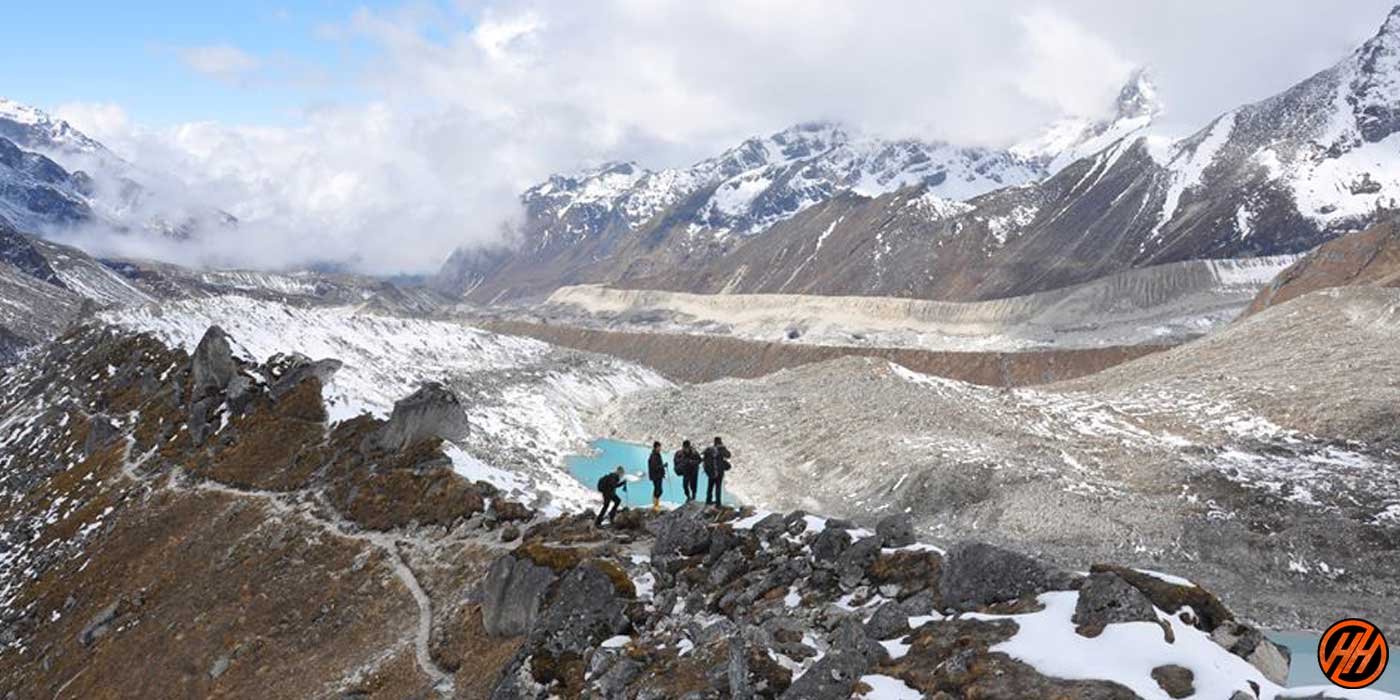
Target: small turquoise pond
column 605, row 455
column 1304, row 671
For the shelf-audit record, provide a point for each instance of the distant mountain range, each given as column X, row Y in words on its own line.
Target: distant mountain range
column 54, row 177
column 813, row 209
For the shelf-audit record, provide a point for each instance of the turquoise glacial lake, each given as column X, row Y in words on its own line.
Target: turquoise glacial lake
column 605, row 455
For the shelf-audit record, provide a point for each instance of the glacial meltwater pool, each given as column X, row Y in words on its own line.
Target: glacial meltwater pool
column 1303, row 671
column 605, row 455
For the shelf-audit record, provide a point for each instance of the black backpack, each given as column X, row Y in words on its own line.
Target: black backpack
column 605, row 483
column 678, row 461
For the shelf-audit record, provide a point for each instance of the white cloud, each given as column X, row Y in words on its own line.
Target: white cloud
column 220, row 61
column 467, row 106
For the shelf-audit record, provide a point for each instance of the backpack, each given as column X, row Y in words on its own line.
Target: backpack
column 678, row 461
column 605, row 483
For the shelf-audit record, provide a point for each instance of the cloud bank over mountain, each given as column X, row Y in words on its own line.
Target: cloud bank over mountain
column 456, row 110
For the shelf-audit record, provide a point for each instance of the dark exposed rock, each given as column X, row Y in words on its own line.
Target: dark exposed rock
column 512, row 594
column 977, row 574
column 684, row 531
column 509, row 511
column 285, row 372
column 99, row 625
column 101, row 432
column 830, row 544
column 584, row 611
column 890, row 621
column 852, row 564
column 770, row 526
column 1171, row 597
column 1177, row 681
column 433, row 411
column 895, row 530
column 1105, row 599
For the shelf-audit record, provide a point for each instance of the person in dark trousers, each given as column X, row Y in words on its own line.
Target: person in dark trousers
column 656, row 471
column 607, row 486
column 716, row 460
column 687, row 465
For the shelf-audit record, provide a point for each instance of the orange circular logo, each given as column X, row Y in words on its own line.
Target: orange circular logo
column 1352, row 653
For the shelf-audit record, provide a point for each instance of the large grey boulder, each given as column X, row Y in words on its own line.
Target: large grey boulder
column 977, row 574
column 212, row 367
column 853, row 563
column 286, row 372
column 1106, row 599
column 512, row 594
column 890, row 621
column 895, row 530
column 433, row 411
column 683, row 531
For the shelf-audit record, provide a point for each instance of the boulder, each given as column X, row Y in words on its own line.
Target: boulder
column 433, row 411
column 830, row 544
column 585, row 610
column 1176, row 681
column 1106, row 599
column 852, row 565
column 684, row 531
column 835, row 675
column 512, row 594
column 212, row 366
column 895, row 530
column 1172, row 597
column 890, row 621
column 509, row 511
column 977, row 574
column 1251, row 645
column 101, row 432
column 769, row 526
column 285, row 372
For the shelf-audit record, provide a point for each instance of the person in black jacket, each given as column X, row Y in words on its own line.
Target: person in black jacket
column 716, row 459
column 656, row 471
column 607, row 486
column 687, row 464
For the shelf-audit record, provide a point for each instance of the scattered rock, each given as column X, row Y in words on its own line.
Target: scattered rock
column 770, row 526
column 829, row 544
column 510, row 511
column 510, row 533
column 99, row 625
column 895, row 530
column 851, row 566
column 890, row 621
column 584, row 611
column 1251, row 645
column 1177, row 681
column 977, row 574
column 1172, row 597
column 1106, row 599
column 220, row 665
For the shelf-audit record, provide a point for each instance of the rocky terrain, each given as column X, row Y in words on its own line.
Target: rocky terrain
column 1260, row 460
column 1365, row 258
column 350, row 560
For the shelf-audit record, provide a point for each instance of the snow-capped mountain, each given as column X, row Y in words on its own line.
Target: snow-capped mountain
column 65, row 178
column 1276, row 177
column 1072, row 138
column 661, row 218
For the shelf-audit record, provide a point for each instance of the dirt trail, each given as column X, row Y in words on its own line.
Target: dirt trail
column 284, row 503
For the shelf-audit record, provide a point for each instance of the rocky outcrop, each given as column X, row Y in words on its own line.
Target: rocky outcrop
column 1105, row 599
column 512, row 595
column 212, row 367
column 1370, row 258
column 433, row 411
column 976, row 574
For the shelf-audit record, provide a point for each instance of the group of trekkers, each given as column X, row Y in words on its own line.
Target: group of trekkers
column 688, row 462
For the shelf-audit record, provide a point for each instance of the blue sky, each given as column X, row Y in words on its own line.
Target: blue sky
column 134, row 54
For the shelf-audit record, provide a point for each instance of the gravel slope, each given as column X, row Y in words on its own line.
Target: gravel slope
column 1223, row 458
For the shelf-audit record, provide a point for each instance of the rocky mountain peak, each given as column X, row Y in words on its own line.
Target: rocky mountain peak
column 1138, row 97
column 33, row 128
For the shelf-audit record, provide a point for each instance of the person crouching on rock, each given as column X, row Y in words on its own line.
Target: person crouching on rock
column 656, row 471
column 687, row 465
column 716, row 459
column 608, row 486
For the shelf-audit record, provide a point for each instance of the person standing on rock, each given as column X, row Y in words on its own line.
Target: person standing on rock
column 687, row 464
column 716, row 460
column 607, row 486
column 656, row 471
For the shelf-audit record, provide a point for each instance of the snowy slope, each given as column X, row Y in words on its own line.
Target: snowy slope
column 525, row 398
